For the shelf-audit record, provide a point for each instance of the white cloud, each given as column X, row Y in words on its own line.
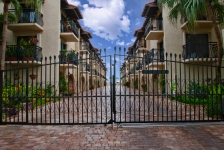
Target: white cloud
column 106, row 18
column 100, row 44
column 75, row 2
column 130, row 43
column 120, row 43
column 137, row 22
column 133, row 40
column 108, row 47
column 129, row 12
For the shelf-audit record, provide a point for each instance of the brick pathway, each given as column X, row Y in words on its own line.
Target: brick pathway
column 163, row 136
column 95, row 107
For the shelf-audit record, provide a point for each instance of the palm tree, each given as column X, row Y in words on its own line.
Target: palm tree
column 194, row 9
column 16, row 3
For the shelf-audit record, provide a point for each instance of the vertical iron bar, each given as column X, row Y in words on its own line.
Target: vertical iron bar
column 1, row 101
column 27, row 93
column 171, row 62
column 175, row 55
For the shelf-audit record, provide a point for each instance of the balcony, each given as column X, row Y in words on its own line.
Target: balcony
column 94, row 72
column 199, row 50
column 85, row 47
column 69, row 31
column 28, row 20
column 132, row 71
column 201, row 23
column 23, row 53
column 68, row 57
column 154, row 30
column 84, row 67
column 155, row 57
column 138, row 66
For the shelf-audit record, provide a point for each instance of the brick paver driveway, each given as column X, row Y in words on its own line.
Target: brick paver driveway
column 175, row 136
column 95, row 107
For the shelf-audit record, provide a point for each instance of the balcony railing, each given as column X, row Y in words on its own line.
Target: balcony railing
column 84, row 66
column 69, row 26
column 154, row 55
column 85, row 46
column 23, row 52
column 28, row 16
column 150, row 26
column 200, row 50
column 94, row 72
column 70, row 57
column 132, row 71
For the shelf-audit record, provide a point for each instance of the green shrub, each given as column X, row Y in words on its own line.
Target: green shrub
column 127, row 84
column 162, row 82
column 196, row 90
column 213, row 107
column 63, row 84
column 144, row 87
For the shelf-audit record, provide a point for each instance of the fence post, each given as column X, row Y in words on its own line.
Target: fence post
column 1, row 86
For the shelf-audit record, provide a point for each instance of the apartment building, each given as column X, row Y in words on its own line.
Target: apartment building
column 52, row 31
column 158, row 36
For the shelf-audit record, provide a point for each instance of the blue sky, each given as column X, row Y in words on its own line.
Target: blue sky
column 111, row 23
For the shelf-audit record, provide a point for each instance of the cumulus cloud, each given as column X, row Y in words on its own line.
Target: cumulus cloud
column 106, row 19
column 75, row 2
column 120, row 43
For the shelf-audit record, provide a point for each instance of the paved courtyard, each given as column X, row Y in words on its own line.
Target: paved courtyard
column 95, row 107
column 204, row 136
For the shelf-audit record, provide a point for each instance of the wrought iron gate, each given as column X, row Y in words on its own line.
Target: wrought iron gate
column 135, row 89
column 157, row 87
column 64, row 90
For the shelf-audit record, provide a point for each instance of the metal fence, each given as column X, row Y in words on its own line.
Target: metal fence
column 52, row 91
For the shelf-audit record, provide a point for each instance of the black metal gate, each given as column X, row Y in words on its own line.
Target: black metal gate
column 140, row 88
column 157, row 87
column 64, row 90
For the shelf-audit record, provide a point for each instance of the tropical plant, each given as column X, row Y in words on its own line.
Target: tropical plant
column 192, row 10
column 144, row 87
column 11, row 18
column 196, row 90
column 136, row 84
column 63, row 84
column 127, row 84
column 16, row 3
column 11, row 51
column 162, row 82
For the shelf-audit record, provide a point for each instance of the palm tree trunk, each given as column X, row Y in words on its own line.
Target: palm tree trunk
column 5, row 24
column 218, row 36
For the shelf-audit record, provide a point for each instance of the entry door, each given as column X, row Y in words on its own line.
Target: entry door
column 197, row 45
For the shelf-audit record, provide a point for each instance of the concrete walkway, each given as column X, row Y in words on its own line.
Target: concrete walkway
column 131, row 136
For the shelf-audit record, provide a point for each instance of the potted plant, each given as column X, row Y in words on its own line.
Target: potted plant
column 33, row 40
column 28, row 53
column 33, row 76
column 10, row 53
